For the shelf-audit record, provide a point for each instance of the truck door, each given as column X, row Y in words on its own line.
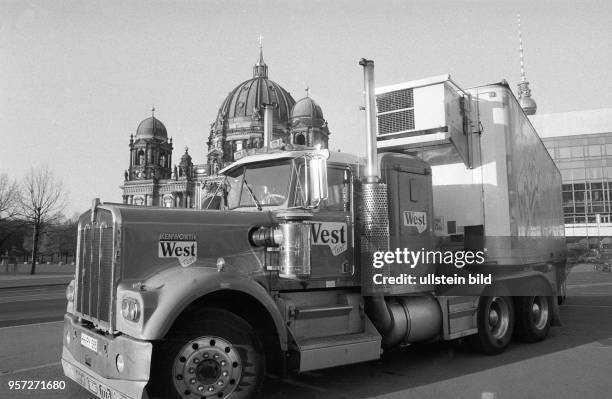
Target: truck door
column 332, row 256
column 410, row 202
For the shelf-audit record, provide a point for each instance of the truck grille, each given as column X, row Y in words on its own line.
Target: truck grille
column 95, row 270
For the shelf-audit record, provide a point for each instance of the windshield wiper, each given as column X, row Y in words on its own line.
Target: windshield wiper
column 244, row 182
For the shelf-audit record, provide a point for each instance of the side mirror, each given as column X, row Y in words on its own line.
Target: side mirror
column 317, row 178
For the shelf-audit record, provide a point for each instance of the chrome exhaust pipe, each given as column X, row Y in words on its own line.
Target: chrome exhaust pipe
column 372, row 173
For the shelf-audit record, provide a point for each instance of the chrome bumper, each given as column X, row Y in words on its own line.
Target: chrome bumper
column 97, row 371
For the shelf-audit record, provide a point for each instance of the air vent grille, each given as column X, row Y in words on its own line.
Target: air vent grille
column 395, row 111
column 395, row 100
column 394, row 122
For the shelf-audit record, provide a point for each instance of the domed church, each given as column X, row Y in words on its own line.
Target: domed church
column 239, row 126
column 237, row 131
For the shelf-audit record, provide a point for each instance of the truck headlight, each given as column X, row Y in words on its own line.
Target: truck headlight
column 130, row 309
column 120, row 363
column 70, row 291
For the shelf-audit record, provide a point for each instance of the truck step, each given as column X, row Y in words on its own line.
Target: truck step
column 461, row 315
column 323, row 352
column 311, row 312
column 325, row 314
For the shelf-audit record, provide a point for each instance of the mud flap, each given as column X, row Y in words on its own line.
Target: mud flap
column 556, row 314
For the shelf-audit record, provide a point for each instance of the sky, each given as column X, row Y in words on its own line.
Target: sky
column 77, row 77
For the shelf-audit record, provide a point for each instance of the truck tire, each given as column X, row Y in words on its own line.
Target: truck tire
column 495, row 324
column 533, row 317
column 218, row 355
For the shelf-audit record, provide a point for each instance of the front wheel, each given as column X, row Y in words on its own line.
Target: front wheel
column 495, row 324
column 215, row 354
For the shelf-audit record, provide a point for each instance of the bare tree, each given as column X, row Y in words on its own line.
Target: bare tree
column 42, row 202
column 9, row 197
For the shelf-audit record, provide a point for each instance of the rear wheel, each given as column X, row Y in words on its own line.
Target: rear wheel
column 213, row 355
column 533, row 317
column 495, row 324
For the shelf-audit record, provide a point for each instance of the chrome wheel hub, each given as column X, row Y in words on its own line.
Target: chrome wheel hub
column 539, row 312
column 207, row 367
column 493, row 317
column 499, row 317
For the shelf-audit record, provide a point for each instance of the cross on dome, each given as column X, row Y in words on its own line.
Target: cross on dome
column 260, row 70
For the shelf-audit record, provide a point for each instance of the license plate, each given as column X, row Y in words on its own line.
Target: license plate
column 105, row 393
column 89, row 342
column 94, row 386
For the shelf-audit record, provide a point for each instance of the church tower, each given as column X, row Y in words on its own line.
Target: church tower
column 150, row 151
column 150, row 163
column 527, row 103
column 308, row 127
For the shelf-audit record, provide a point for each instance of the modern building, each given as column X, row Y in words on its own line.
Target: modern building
column 580, row 142
column 152, row 180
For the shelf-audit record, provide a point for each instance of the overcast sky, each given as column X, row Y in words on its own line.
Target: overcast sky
column 76, row 78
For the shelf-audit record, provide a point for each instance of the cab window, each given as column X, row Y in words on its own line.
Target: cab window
column 338, row 186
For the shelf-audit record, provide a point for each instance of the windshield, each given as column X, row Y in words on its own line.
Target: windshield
column 259, row 185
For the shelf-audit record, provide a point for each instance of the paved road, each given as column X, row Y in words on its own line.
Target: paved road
column 32, row 304
column 574, row 362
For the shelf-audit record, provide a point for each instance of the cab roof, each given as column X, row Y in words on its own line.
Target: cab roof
column 339, row 157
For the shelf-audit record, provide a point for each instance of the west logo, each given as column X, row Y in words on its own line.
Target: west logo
column 330, row 234
column 416, row 219
column 185, row 251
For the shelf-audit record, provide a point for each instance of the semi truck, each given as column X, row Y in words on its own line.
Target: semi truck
column 301, row 265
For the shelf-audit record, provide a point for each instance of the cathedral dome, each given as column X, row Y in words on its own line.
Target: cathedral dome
column 151, row 128
column 239, row 125
column 249, row 98
column 307, row 108
column 242, row 109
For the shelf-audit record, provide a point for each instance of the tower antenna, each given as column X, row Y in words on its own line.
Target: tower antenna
column 522, row 58
column 527, row 103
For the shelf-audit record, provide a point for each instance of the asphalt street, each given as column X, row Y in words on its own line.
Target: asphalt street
column 574, row 362
column 32, row 304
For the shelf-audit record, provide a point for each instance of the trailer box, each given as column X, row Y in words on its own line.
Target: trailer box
column 495, row 186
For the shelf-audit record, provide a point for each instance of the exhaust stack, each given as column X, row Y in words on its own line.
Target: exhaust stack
column 373, row 210
column 268, row 123
column 372, row 173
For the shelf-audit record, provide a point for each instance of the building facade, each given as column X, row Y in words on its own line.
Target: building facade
column 580, row 142
column 151, row 178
